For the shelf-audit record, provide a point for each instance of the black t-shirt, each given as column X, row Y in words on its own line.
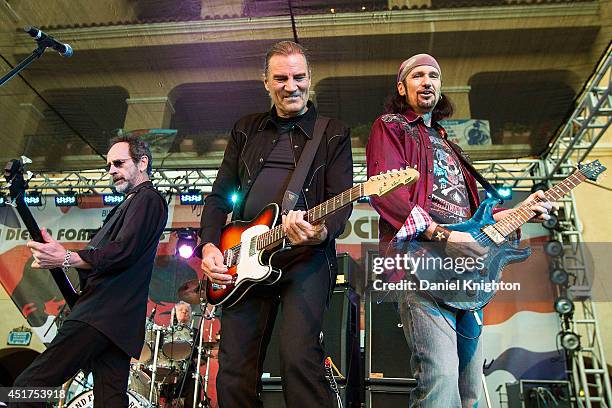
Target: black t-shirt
column 450, row 203
column 273, row 179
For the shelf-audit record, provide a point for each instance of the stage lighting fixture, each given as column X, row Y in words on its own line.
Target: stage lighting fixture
column 553, row 248
column 33, row 199
column 505, row 192
column 559, row 276
column 552, row 223
column 564, row 305
column 192, row 197
column 570, row 340
column 234, row 198
column 66, row 200
column 187, row 240
column 112, row 199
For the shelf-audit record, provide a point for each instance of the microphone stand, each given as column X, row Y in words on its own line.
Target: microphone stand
column 36, row 54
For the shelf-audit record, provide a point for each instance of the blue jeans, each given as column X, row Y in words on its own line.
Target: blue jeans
column 447, row 367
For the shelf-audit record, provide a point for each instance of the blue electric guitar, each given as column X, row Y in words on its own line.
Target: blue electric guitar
column 471, row 287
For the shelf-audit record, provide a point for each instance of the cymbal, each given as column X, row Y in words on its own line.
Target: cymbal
column 192, row 291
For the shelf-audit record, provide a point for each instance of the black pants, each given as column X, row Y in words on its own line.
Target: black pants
column 246, row 328
column 76, row 346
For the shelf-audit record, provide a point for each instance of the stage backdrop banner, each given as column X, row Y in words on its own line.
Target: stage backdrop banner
column 468, row 132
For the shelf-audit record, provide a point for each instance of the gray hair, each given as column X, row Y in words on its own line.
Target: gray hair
column 285, row 48
column 138, row 148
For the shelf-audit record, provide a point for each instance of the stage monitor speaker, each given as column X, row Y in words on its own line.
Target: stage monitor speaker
column 272, row 395
column 388, row 393
column 386, row 351
column 538, row 393
column 341, row 342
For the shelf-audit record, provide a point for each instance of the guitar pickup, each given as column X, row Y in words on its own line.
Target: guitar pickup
column 494, row 235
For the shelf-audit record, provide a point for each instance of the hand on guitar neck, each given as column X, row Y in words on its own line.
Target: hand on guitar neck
column 540, row 205
column 301, row 232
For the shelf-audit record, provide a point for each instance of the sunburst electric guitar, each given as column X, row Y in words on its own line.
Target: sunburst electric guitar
column 249, row 246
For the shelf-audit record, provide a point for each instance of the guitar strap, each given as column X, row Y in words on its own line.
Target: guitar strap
column 101, row 236
column 296, row 183
column 483, row 182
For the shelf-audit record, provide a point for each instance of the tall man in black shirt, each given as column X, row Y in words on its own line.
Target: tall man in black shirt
column 106, row 325
column 258, row 163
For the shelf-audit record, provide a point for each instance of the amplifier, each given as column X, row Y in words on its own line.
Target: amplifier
column 538, row 393
column 341, row 342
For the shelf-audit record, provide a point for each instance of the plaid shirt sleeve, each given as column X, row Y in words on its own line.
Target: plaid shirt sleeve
column 418, row 220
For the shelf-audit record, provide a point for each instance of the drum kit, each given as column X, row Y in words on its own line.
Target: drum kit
column 171, row 357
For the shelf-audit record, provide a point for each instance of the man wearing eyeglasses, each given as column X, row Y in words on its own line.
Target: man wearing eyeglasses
column 106, row 325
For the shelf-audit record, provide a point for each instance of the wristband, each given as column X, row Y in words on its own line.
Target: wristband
column 66, row 264
column 440, row 234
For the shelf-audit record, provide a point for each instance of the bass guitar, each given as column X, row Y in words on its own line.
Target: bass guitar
column 472, row 287
column 14, row 174
column 249, row 246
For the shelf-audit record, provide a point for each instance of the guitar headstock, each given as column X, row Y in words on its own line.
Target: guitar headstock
column 389, row 181
column 592, row 170
column 16, row 176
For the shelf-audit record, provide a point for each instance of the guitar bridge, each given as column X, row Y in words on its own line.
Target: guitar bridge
column 494, row 235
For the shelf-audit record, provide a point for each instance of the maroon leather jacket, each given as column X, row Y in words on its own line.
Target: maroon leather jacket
column 402, row 140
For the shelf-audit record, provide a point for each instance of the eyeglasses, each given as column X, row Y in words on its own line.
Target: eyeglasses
column 117, row 163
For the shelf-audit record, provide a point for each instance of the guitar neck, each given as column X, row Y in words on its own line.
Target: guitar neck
column 315, row 214
column 524, row 213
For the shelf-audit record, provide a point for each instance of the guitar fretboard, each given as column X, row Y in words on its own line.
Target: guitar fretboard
column 524, row 213
column 276, row 234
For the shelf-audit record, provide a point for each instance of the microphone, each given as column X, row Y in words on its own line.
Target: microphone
column 47, row 41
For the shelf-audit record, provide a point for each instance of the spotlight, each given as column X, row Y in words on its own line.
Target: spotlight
column 112, row 199
column 563, row 305
column 570, row 340
column 558, row 276
column 505, row 192
column 33, row 199
column 553, row 248
column 234, row 198
column 69, row 199
column 187, row 240
column 552, row 223
column 192, row 197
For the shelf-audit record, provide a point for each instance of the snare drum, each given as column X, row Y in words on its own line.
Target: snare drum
column 167, row 370
column 178, row 341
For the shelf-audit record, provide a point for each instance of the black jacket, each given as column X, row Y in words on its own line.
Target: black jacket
column 251, row 142
column 115, row 292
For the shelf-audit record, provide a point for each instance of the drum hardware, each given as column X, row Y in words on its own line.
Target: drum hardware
column 206, row 317
column 154, row 367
